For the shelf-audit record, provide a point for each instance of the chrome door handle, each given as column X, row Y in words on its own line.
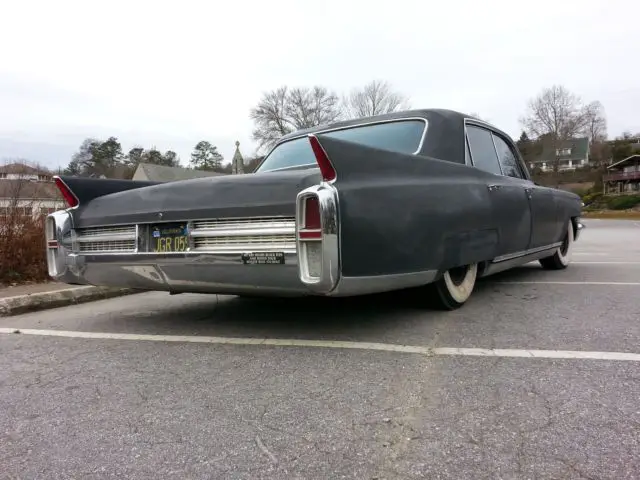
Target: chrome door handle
column 493, row 188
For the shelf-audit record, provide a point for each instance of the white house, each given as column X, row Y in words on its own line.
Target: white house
column 27, row 190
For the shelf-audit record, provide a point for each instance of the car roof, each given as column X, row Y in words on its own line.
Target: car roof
column 428, row 113
column 444, row 139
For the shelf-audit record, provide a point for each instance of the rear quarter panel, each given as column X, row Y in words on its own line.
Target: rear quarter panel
column 404, row 213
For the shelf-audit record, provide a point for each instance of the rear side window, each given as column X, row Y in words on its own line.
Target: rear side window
column 402, row 136
column 483, row 152
column 507, row 158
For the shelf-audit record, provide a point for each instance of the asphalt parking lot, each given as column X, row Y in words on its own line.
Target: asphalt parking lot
column 366, row 388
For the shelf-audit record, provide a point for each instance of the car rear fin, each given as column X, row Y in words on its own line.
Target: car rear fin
column 80, row 190
column 326, row 167
column 66, row 192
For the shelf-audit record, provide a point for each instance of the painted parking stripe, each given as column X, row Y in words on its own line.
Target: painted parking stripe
column 617, row 262
column 386, row 347
column 560, row 282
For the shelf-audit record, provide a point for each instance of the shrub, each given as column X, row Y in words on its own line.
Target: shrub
column 623, row 202
column 22, row 246
column 590, row 198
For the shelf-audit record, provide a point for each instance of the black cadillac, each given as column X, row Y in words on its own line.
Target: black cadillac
column 428, row 200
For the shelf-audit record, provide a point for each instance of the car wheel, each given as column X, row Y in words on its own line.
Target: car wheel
column 562, row 256
column 454, row 288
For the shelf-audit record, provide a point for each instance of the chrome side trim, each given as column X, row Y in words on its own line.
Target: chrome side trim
column 329, row 223
column 504, row 258
column 348, row 286
column 348, row 127
column 518, row 261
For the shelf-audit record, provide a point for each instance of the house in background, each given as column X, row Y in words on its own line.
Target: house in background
column 570, row 155
column 27, row 190
column 623, row 176
column 161, row 173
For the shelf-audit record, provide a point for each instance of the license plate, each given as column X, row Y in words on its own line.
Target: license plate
column 169, row 238
column 263, row 258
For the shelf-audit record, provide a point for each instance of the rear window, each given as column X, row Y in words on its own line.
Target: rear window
column 401, row 136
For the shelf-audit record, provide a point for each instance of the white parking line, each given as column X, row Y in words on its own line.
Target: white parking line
column 561, row 282
column 386, row 347
column 592, row 254
column 606, row 263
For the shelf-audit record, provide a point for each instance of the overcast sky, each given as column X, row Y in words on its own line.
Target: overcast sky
column 170, row 74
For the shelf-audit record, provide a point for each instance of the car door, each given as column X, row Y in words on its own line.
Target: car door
column 542, row 202
column 544, row 214
column 509, row 198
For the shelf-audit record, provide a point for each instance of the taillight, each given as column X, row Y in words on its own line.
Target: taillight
column 310, row 238
column 326, row 168
column 312, row 213
column 67, row 194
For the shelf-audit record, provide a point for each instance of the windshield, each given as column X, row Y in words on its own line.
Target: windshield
column 401, row 136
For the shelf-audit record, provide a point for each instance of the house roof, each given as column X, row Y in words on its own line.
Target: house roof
column 622, row 163
column 28, row 190
column 162, row 173
column 17, row 168
column 579, row 150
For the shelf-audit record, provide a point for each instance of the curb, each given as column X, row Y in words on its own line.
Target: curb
column 59, row 298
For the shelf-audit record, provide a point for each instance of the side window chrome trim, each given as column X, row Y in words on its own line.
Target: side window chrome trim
column 493, row 141
column 494, row 131
column 467, row 149
column 515, row 157
column 490, row 131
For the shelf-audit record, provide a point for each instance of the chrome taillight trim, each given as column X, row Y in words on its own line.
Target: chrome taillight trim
column 329, row 224
column 57, row 235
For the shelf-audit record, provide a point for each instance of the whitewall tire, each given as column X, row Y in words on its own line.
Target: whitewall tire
column 562, row 256
column 455, row 286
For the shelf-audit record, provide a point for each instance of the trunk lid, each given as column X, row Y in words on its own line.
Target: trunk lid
column 233, row 196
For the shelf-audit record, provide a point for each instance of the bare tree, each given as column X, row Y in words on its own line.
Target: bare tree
column 596, row 122
column 555, row 114
column 285, row 110
column 375, row 98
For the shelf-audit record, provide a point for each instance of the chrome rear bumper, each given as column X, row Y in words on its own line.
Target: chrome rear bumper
column 195, row 271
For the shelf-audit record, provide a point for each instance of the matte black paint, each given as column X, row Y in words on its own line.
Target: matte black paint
column 403, row 213
column 271, row 194
column 398, row 213
column 86, row 189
